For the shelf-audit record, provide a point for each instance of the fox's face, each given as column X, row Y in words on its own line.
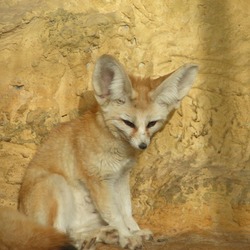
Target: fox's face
column 135, row 109
column 136, row 124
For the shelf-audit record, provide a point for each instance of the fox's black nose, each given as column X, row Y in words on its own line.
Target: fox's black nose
column 143, row 145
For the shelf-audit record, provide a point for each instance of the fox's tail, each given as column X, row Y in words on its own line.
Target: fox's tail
column 17, row 232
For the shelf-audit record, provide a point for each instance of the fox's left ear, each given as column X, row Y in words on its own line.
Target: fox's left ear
column 110, row 81
column 176, row 86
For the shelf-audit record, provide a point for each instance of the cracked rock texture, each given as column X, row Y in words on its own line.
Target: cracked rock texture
column 196, row 174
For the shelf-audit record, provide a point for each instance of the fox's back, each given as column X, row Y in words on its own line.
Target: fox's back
column 74, row 148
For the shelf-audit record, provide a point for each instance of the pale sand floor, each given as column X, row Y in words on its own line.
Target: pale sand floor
column 195, row 242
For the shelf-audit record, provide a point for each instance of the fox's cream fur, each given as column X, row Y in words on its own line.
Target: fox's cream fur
column 78, row 181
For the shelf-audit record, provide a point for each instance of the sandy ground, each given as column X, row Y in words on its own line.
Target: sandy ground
column 194, row 242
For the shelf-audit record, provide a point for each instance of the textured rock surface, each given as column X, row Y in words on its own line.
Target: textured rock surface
column 196, row 174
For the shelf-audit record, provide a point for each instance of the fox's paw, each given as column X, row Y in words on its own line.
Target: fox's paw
column 145, row 234
column 89, row 244
column 133, row 242
column 108, row 235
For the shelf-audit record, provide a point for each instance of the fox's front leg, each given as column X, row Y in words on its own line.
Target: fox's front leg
column 123, row 198
column 103, row 194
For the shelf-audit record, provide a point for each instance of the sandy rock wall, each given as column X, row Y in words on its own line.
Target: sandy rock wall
column 196, row 173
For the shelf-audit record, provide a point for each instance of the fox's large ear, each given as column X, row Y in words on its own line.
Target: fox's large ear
column 171, row 91
column 110, row 81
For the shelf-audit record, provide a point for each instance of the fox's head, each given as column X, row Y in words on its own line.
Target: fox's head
column 135, row 109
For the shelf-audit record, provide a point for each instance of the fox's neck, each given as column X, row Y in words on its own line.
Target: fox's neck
column 115, row 138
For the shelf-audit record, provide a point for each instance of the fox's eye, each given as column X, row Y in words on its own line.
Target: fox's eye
column 151, row 124
column 129, row 123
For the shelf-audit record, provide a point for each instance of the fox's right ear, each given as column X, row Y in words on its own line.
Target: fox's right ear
column 110, row 81
column 176, row 86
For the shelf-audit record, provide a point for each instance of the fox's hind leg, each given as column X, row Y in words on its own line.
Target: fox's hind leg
column 48, row 200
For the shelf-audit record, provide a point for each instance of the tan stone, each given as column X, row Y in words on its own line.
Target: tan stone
column 196, row 173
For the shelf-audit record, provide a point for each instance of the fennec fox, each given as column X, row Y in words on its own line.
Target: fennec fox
column 78, row 181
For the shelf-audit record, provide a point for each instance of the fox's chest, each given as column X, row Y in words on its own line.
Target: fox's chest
column 112, row 162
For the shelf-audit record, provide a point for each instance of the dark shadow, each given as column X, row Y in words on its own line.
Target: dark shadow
column 217, row 66
column 86, row 102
